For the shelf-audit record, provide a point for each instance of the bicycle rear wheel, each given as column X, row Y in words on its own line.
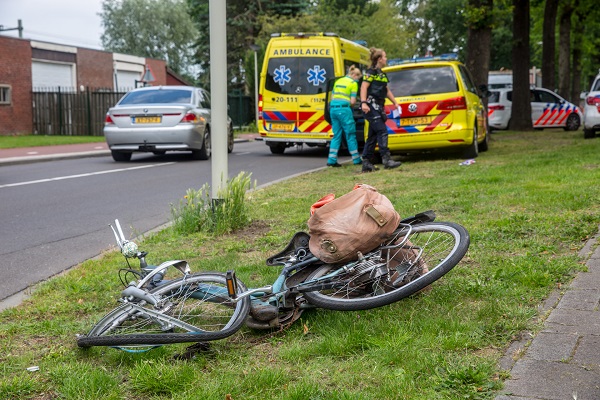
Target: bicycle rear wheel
column 196, row 308
column 391, row 272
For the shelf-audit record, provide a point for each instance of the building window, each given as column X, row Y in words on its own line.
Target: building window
column 5, row 95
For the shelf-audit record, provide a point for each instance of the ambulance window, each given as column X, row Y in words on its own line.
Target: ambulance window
column 299, row 75
column 348, row 64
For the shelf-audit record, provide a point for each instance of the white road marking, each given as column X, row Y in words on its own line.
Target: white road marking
column 60, row 178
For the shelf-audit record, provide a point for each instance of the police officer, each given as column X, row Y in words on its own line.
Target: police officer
column 342, row 121
column 373, row 92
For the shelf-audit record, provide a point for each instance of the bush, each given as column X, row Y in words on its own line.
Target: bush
column 198, row 212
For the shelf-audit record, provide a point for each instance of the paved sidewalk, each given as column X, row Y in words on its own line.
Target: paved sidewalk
column 23, row 155
column 562, row 362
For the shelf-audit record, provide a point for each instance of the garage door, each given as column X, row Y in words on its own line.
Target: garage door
column 126, row 80
column 52, row 75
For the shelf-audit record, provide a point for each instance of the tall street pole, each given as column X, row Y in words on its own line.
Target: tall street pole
column 255, row 48
column 218, row 91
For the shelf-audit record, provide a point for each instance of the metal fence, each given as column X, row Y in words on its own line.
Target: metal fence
column 60, row 111
column 71, row 113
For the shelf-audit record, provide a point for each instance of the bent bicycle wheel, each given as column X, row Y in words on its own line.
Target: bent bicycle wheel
column 400, row 268
column 196, row 308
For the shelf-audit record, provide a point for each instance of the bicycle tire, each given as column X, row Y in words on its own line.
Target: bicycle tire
column 216, row 317
column 444, row 244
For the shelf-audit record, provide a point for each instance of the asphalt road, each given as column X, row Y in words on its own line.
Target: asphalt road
column 55, row 214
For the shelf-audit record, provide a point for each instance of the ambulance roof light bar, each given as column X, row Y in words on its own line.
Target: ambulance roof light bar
column 441, row 57
column 304, row 34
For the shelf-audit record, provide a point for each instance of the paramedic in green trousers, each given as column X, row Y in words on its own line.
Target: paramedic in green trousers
column 342, row 122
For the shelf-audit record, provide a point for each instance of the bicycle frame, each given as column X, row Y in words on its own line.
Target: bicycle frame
column 279, row 289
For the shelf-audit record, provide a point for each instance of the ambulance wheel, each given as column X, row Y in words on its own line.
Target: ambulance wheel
column 277, row 148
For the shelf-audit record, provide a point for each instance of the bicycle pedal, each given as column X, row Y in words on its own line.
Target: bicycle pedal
column 231, row 284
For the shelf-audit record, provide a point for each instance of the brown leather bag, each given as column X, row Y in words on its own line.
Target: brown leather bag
column 358, row 221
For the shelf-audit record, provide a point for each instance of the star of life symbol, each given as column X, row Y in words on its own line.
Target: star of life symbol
column 282, row 75
column 316, row 75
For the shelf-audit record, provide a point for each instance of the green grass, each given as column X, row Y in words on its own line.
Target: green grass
column 529, row 204
column 11, row 142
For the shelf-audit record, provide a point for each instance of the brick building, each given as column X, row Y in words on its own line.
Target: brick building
column 27, row 66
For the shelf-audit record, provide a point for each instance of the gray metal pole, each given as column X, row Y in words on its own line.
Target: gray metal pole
column 218, row 91
column 256, row 86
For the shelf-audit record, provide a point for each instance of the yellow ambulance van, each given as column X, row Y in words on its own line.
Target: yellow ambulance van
column 293, row 84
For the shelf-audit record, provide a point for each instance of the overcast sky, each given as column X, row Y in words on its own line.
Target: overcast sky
column 71, row 22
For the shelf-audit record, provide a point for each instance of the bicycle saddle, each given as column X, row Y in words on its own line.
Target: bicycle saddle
column 299, row 241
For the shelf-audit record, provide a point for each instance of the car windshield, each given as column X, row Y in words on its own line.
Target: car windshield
column 596, row 87
column 415, row 81
column 162, row 96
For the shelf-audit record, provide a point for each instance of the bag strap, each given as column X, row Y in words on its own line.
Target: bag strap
column 376, row 215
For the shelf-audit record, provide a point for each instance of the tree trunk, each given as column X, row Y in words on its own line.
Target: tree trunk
column 549, row 45
column 520, row 118
column 479, row 39
column 576, row 70
column 578, row 32
column 564, row 51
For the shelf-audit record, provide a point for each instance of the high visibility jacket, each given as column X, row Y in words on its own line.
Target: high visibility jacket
column 344, row 89
column 378, row 84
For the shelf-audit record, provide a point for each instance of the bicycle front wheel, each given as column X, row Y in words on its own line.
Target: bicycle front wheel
column 400, row 268
column 196, row 308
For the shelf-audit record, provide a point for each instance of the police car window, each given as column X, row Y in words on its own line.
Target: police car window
column 299, row 75
column 416, row 81
column 494, row 97
column 596, row 86
column 545, row 97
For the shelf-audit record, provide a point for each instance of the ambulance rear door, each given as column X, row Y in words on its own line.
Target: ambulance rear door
column 295, row 87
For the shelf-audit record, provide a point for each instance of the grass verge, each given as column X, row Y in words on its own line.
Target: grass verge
column 11, row 142
column 529, row 203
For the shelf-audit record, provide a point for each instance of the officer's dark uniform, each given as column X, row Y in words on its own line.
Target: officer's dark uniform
column 376, row 95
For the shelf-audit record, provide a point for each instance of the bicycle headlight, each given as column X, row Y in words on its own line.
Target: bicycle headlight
column 129, row 249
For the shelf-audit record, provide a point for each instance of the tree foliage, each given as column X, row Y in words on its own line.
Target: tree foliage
column 403, row 28
column 243, row 28
column 159, row 29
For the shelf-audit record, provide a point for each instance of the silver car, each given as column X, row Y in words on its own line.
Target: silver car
column 158, row 119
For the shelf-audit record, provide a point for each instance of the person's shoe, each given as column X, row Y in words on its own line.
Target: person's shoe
column 335, row 165
column 367, row 166
column 358, row 162
column 388, row 163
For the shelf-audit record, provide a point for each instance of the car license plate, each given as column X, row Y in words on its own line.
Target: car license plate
column 146, row 120
column 415, row 121
column 282, row 127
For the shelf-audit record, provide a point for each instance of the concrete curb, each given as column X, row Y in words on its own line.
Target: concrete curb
column 65, row 156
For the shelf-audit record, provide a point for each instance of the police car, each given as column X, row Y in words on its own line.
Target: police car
column 591, row 109
column 441, row 107
column 548, row 110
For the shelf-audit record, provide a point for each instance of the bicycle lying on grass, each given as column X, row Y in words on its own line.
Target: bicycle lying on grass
column 205, row 306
